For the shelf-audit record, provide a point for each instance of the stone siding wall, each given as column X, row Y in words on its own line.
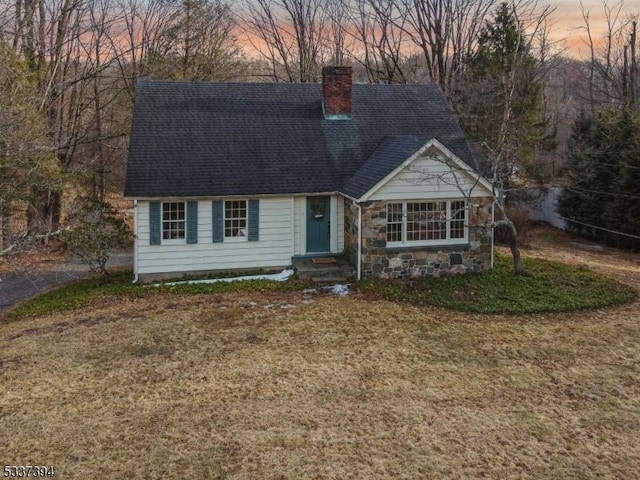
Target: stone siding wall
column 431, row 261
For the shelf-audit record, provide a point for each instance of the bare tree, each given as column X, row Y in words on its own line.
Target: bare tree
column 501, row 103
column 136, row 36
column 503, row 156
column 340, row 45
column 415, row 40
column 613, row 62
column 26, row 162
column 100, row 152
column 444, row 31
column 634, row 71
column 198, row 43
column 292, row 35
column 379, row 43
column 66, row 45
column 46, row 35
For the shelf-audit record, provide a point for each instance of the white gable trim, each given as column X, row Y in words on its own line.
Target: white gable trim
column 478, row 179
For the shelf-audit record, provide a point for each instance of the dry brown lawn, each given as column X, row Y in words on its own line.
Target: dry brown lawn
column 242, row 385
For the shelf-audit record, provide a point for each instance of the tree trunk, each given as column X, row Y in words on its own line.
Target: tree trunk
column 4, row 228
column 55, row 210
column 518, row 269
column 634, row 69
column 44, row 211
column 515, row 252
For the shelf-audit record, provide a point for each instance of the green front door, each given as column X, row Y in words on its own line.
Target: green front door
column 318, row 224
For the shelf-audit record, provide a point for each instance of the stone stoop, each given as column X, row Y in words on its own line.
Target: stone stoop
column 324, row 273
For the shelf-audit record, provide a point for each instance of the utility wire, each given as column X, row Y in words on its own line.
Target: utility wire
column 608, row 152
column 607, row 164
column 621, row 165
column 599, row 228
column 586, row 190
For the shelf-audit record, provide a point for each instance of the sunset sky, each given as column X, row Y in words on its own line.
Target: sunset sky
column 568, row 24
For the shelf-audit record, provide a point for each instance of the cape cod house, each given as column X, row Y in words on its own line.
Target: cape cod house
column 246, row 176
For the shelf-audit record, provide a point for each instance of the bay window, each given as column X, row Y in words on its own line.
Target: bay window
column 426, row 222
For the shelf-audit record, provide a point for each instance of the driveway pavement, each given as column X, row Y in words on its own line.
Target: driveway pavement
column 17, row 287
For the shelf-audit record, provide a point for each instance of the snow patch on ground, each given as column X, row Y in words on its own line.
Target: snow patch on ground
column 340, row 290
column 308, row 294
column 276, row 277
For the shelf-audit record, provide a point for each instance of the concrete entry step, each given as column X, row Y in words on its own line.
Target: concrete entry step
column 323, row 271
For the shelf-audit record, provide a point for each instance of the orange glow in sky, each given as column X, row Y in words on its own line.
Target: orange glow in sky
column 569, row 25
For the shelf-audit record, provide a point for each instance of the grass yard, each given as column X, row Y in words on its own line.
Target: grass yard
column 267, row 385
column 546, row 286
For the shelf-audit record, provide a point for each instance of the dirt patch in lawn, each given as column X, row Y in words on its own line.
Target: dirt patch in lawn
column 272, row 385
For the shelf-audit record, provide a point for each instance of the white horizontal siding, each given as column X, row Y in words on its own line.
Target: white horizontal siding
column 273, row 249
column 428, row 178
column 299, row 222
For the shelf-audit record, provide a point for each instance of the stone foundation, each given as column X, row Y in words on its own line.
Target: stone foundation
column 424, row 262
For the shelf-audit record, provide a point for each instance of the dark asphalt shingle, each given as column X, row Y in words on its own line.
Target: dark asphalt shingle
column 209, row 139
column 391, row 153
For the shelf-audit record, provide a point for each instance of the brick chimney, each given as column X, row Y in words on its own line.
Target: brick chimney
column 336, row 92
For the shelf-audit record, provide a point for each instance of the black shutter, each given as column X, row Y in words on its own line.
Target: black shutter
column 192, row 221
column 254, row 220
column 217, row 220
column 155, row 224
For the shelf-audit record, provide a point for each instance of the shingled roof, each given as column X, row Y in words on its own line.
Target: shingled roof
column 221, row 139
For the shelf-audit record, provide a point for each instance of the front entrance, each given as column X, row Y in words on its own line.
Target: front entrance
column 318, row 224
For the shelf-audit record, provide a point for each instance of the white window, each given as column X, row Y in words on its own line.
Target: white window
column 173, row 220
column 235, row 218
column 426, row 222
column 458, row 220
column 395, row 222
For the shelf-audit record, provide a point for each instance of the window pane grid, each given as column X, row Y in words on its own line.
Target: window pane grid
column 235, row 218
column 458, row 217
column 416, row 216
column 426, row 221
column 394, row 222
column 173, row 221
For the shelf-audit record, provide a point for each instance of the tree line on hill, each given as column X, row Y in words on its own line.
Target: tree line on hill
column 68, row 70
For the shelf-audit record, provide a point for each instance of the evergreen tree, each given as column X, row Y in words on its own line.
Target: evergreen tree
column 501, row 85
column 622, row 211
column 603, row 165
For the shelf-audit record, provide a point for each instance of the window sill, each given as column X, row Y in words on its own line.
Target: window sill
column 235, row 239
column 174, row 241
column 440, row 247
